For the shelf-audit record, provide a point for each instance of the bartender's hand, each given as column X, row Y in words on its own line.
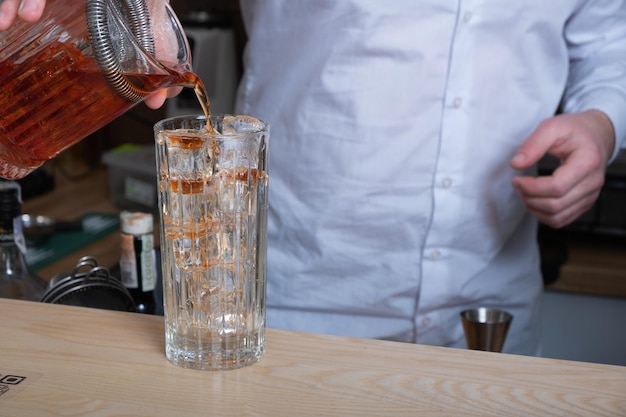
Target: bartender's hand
column 157, row 99
column 584, row 143
column 27, row 10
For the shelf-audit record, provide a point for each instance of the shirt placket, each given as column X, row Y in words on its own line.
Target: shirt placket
column 438, row 252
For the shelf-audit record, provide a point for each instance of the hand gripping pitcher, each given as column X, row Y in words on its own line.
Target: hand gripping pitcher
column 81, row 66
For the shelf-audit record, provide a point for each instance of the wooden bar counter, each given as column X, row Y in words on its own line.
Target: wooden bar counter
column 74, row 361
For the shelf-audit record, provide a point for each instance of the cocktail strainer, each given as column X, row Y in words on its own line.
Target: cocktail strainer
column 106, row 21
column 89, row 285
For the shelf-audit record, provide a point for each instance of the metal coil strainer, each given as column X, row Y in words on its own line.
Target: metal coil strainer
column 89, row 285
column 109, row 47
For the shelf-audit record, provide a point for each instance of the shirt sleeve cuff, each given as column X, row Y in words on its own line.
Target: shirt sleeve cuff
column 610, row 102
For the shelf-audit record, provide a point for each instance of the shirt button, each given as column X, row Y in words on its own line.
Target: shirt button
column 446, row 183
column 426, row 322
column 457, row 102
column 467, row 17
column 434, row 255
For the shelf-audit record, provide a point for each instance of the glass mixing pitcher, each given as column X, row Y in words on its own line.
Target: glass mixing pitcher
column 83, row 64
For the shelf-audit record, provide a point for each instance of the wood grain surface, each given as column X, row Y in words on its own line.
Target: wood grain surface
column 86, row 362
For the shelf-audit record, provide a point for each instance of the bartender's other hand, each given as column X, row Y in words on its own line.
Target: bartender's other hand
column 157, row 99
column 584, row 143
column 27, row 10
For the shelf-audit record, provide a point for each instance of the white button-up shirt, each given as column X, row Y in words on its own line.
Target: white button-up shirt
column 392, row 127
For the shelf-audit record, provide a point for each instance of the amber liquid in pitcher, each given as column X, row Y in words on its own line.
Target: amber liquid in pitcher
column 39, row 123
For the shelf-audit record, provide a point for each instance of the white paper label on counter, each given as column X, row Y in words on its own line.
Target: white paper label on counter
column 11, row 382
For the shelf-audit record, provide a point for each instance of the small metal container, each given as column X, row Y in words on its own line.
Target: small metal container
column 486, row 328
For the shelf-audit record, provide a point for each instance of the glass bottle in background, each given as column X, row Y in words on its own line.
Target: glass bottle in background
column 16, row 279
column 137, row 260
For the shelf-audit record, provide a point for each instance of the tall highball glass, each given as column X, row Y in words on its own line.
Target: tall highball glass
column 213, row 200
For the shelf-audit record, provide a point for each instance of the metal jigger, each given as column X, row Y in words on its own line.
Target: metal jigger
column 485, row 328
